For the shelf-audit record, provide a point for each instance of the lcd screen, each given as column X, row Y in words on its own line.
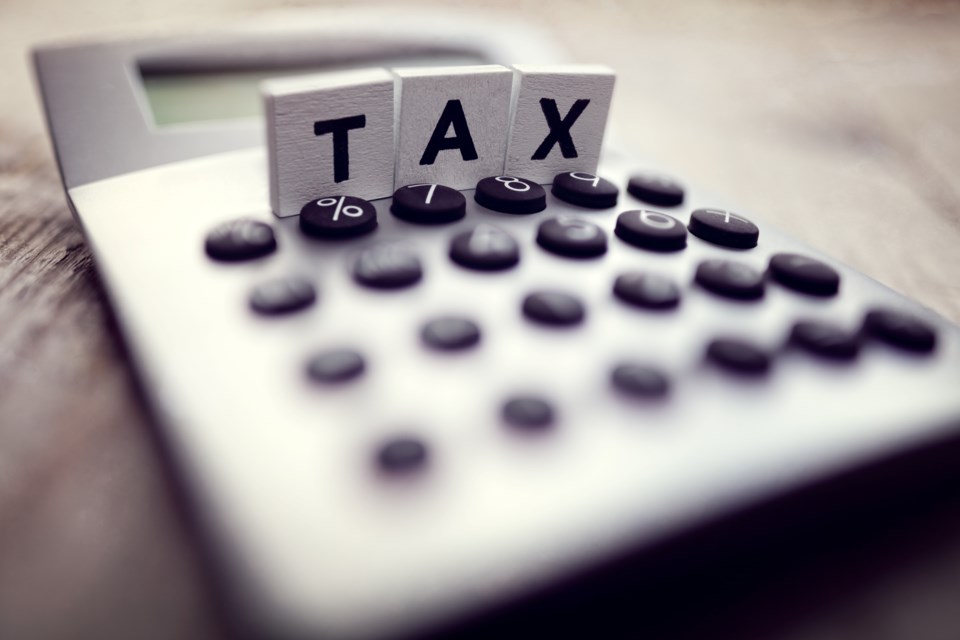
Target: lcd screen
column 206, row 96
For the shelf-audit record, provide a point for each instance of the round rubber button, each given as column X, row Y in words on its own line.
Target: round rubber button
column 428, row 204
column 901, row 330
column 335, row 217
column 738, row 356
column 528, row 412
column 241, row 239
column 509, row 194
column 724, row 228
column 804, row 274
column 336, row 365
column 656, row 189
column 651, row 230
column 825, row 340
column 572, row 238
column 647, row 290
column 283, row 295
column 485, row 248
column 553, row 308
column 640, row 381
column 450, row 333
column 387, row 267
column 730, row 279
column 585, row 190
column 402, row 455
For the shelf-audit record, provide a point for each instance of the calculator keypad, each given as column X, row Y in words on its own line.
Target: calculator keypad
column 387, row 267
column 554, row 308
column 428, row 204
column 730, row 279
column 510, row 194
column 804, row 274
column 282, row 296
column 336, row 365
column 651, row 230
column 656, row 189
column 647, row 290
column 739, row 356
column 724, row 228
column 585, row 190
column 900, row 330
column 338, row 217
column 241, row 239
column 571, row 237
column 485, row 248
column 450, row 333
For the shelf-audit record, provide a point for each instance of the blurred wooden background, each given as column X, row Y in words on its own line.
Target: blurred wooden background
column 837, row 121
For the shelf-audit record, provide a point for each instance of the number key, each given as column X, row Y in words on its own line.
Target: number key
column 428, row 204
column 510, row 194
column 585, row 190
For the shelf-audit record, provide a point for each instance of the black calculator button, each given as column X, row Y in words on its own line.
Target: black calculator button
column 553, row 308
column 336, row 365
column 335, row 217
column 402, row 455
column 428, row 204
column 804, row 274
column 900, row 330
column 387, row 267
column 283, row 295
column 738, row 356
column 651, row 230
column 528, row 412
column 572, row 238
column 450, row 333
column 485, row 248
column 730, row 279
column 242, row 239
column 510, row 194
column 585, row 190
column 640, row 381
column 656, row 189
column 724, row 228
column 825, row 340
column 647, row 290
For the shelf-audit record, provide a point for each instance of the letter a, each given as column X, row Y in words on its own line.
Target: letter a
column 452, row 116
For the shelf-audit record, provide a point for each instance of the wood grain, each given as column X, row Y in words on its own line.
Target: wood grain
column 835, row 121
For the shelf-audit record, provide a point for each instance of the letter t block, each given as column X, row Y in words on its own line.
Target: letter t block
column 558, row 120
column 329, row 134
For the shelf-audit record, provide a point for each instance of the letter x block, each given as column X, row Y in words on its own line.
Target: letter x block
column 452, row 124
column 558, row 120
column 329, row 134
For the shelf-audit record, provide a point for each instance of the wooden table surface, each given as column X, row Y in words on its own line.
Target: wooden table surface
column 838, row 122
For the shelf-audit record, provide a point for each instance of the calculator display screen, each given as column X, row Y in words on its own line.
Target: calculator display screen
column 189, row 97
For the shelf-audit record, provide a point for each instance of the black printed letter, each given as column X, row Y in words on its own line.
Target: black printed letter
column 452, row 115
column 341, row 150
column 559, row 129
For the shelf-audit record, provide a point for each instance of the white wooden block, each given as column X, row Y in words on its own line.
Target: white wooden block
column 452, row 124
column 553, row 129
column 329, row 134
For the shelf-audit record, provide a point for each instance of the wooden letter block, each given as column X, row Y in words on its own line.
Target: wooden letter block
column 329, row 134
column 558, row 120
column 452, row 124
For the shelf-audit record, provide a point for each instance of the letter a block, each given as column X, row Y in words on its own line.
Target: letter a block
column 558, row 120
column 329, row 134
column 452, row 124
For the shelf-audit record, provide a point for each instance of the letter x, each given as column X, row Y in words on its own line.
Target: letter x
column 559, row 129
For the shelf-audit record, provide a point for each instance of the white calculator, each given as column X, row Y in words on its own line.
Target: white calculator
column 468, row 412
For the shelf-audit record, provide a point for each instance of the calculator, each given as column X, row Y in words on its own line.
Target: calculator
column 475, row 397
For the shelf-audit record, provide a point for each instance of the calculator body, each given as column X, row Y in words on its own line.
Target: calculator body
column 306, row 537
